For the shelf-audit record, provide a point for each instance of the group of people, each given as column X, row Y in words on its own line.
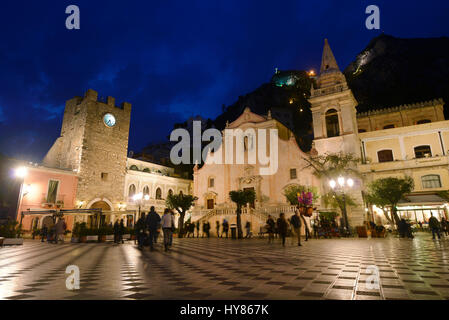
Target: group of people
column 55, row 232
column 283, row 226
column 147, row 228
column 193, row 228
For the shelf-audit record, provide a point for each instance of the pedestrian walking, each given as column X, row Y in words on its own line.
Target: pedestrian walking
column 445, row 226
column 168, row 225
column 152, row 222
column 217, row 227
column 282, row 227
column 270, row 229
column 435, row 226
column 225, row 228
column 295, row 221
column 248, row 229
column 206, row 228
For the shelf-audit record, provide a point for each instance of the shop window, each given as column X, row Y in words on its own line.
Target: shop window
column 332, row 124
column 423, row 151
column 431, row 181
column 52, row 191
column 385, row 155
column 293, row 174
column 158, row 193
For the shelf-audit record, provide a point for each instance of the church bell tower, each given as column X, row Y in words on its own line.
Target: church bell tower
column 335, row 123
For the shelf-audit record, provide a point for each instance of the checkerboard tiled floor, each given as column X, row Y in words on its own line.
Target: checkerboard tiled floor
column 230, row 269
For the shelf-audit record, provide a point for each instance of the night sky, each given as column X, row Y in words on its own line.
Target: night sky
column 172, row 59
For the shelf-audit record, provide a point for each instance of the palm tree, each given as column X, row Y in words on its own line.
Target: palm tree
column 241, row 199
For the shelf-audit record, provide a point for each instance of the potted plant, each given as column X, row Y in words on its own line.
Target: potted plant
column 92, row 235
column 82, row 233
column 103, row 231
column 11, row 232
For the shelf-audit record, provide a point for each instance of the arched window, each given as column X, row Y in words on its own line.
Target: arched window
column 431, row 181
column 389, row 126
column 134, row 167
column 180, row 192
column 146, row 170
column 158, row 193
column 146, row 191
column 385, row 155
column 211, row 182
column 423, row 151
column 332, row 124
column 170, row 192
column 423, row 121
column 131, row 190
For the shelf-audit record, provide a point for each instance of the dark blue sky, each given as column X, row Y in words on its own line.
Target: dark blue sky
column 172, row 59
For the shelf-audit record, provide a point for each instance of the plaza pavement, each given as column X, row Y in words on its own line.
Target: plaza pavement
column 230, row 269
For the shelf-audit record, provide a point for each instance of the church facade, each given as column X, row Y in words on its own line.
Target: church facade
column 409, row 140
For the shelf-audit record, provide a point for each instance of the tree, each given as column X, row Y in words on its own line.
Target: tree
column 388, row 191
column 291, row 193
column 180, row 203
column 331, row 166
column 241, row 199
column 382, row 203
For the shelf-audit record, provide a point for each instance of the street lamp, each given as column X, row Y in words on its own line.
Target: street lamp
column 342, row 182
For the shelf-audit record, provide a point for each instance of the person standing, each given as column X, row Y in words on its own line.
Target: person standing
column 116, row 231
column 270, row 229
column 44, row 232
column 197, row 229
column 60, row 228
column 306, row 220
column 206, row 228
column 121, row 231
column 168, row 224
column 140, row 230
column 434, row 225
column 153, row 221
column 225, row 228
column 295, row 221
column 282, row 227
column 217, row 227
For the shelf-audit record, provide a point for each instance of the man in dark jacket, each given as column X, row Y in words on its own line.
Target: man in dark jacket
column 295, row 221
column 282, row 227
column 153, row 223
column 139, row 228
column 434, row 225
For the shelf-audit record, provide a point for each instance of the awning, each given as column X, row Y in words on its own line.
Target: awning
column 422, row 199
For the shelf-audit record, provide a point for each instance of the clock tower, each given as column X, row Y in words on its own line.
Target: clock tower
column 94, row 143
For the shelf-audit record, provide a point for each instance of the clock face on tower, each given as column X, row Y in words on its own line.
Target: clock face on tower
column 109, row 120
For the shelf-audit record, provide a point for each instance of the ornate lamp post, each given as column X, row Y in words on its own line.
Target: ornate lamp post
column 339, row 186
column 138, row 199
